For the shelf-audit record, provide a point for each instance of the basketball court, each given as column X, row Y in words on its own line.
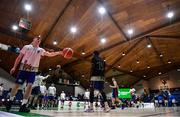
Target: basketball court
column 162, row 112
column 90, row 58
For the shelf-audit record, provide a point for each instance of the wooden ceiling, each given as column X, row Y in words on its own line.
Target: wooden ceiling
column 53, row 19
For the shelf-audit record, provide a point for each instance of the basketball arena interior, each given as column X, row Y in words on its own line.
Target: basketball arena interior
column 89, row 58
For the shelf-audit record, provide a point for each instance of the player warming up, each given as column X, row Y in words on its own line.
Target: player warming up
column 114, row 93
column 97, row 81
column 36, row 90
column 28, row 61
column 51, row 95
column 86, row 98
column 62, row 98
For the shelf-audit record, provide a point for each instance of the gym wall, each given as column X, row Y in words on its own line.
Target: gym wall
column 6, row 79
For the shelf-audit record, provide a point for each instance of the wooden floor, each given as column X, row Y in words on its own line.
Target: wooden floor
column 133, row 112
column 160, row 112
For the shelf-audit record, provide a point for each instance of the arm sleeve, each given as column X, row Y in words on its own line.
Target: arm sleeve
column 23, row 50
column 42, row 52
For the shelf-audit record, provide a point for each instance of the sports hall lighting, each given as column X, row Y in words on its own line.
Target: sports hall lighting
column 123, row 54
column 55, row 42
column 27, row 7
column 83, row 53
column 160, row 55
column 73, row 29
column 14, row 27
column 149, row 46
column 169, row 62
column 148, row 67
column 101, row 10
column 103, row 40
column 130, row 31
column 170, row 14
column 137, row 62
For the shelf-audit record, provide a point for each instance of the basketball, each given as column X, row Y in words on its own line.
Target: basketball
column 67, row 53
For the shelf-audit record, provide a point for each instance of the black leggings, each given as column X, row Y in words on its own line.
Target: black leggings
column 104, row 99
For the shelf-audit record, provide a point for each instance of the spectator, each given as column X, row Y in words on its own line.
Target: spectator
column 1, row 90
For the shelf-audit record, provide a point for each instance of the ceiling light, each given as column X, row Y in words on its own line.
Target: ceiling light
column 102, row 10
column 159, row 73
column 104, row 60
column 55, row 42
column 149, row 46
column 130, row 31
column 83, row 76
column 14, row 27
column 169, row 62
column 103, row 40
column 123, row 54
column 137, row 62
column 170, row 14
column 83, row 53
column 131, row 71
column 119, row 66
column 50, row 69
column 148, row 67
column 28, row 7
column 160, row 55
column 73, row 29
column 144, row 76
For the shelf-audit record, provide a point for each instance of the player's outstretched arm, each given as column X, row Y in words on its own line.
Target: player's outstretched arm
column 112, row 86
column 52, row 54
column 45, row 77
column 16, row 63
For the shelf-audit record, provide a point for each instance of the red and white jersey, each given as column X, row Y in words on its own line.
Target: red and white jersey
column 32, row 55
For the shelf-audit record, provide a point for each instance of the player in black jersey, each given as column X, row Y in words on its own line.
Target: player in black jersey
column 97, row 80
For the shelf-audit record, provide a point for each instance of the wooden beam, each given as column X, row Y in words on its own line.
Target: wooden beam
column 142, row 35
column 17, row 35
column 23, row 37
column 127, row 52
column 147, row 33
column 56, row 21
column 117, row 75
column 168, row 68
column 156, row 50
column 165, row 36
column 114, row 22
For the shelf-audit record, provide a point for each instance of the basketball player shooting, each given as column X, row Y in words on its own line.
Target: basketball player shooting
column 28, row 59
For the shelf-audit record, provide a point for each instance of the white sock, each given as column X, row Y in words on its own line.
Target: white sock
column 12, row 98
column 24, row 101
column 91, row 105
column 106, row 105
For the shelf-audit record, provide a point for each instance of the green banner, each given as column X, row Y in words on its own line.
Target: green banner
column 124, row 93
